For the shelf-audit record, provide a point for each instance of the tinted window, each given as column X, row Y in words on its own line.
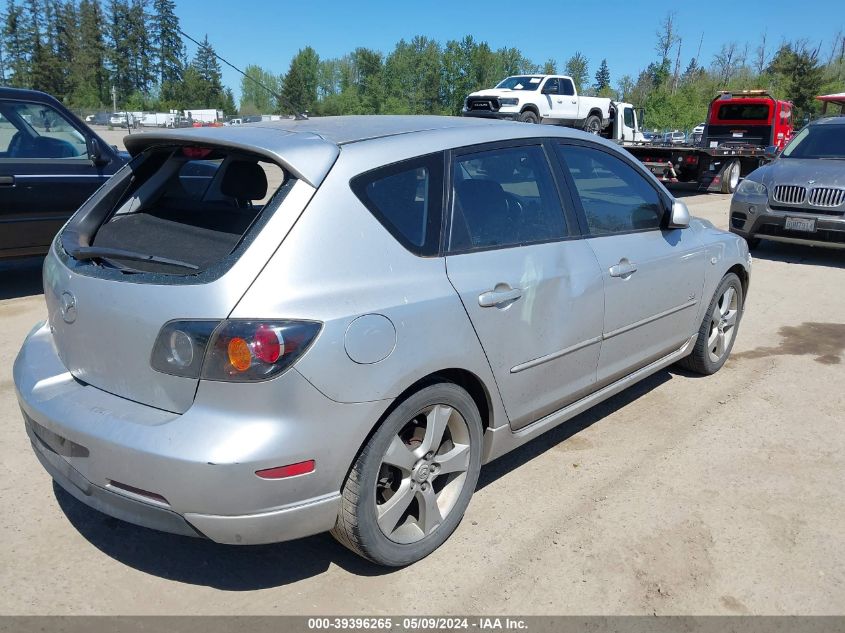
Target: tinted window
column 822, row 141
column 743, row 112
column 504, row 197
column 568, row 88
column 406, row 199
column 629, row 117
column 552, row 87
column 616, row 199
column 32, row 130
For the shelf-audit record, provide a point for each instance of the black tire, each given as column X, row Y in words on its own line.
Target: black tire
column 592, row 124
column 529, row 116
column 357, row 525
column 700, row 360
column 730, row 181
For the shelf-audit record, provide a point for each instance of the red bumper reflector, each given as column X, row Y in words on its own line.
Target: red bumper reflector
column 291, row 470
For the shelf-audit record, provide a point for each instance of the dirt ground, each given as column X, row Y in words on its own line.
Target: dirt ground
column 682, row 495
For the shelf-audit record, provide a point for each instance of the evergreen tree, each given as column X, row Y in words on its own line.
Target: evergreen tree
column 550, row 67
column 119, row 53
column 602, row 77
column 167, row 42
column 139, row 47
column 299, row 85
column 16, row 45
column 88, row 76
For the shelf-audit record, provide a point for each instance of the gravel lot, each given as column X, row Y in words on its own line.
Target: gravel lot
column 682, row 495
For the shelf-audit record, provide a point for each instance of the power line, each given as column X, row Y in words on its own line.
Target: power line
column 297, row 115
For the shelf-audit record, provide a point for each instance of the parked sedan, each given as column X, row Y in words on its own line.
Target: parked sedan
column 342, row 350
column 50, row 163
column 800, row 196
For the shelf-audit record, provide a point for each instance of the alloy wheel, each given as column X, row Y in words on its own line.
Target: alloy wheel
column 723, row 324
column 422, row 474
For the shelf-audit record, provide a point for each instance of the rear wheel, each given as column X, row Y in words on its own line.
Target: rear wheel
column 409, row 487
column 592, row 124
column 529, row 116
column 717, row 332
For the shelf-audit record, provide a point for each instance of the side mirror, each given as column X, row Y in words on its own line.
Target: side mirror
column 549, row 89
column 678, row 215
column 771, row 152
column 95, row 151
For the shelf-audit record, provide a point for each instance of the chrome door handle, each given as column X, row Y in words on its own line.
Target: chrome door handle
column 560, row 100
column 494, row 298
column 574, row 102
column 623, row 269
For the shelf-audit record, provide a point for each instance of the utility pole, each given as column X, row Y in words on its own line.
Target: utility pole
column 114, row 99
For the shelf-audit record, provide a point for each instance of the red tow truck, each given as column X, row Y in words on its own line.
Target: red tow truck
column 741, row 128
column 832, row 101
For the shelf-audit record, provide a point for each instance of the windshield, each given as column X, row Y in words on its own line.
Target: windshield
column 818, row 142
column 520, row 83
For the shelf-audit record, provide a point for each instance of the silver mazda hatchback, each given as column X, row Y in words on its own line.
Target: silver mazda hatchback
column 261, row 333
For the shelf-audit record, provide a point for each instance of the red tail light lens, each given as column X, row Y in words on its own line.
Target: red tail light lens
column 232, row 351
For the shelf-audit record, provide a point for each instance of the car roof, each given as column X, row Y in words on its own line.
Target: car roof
column 28, row 95
column 831, row 119
column 308, row 148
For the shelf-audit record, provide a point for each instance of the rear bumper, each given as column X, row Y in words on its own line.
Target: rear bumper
column 194, row 473
column 756, row 219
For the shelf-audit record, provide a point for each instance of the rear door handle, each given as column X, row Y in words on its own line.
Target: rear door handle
column 7, row 181
column 495, row 298
column 623, row 269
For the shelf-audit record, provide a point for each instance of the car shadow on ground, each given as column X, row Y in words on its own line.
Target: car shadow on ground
column 21, row 278
column 798, row 254
column 246, row 568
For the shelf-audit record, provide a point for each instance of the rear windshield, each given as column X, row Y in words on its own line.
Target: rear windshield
column 743, row 112
column 183, row 211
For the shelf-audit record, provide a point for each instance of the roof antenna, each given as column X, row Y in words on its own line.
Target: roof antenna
column 297, row 115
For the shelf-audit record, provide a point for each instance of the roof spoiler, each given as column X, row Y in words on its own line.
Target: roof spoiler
column 307, row 156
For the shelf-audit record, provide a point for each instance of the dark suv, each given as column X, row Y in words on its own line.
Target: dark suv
column 50, row 163
column 800, row 196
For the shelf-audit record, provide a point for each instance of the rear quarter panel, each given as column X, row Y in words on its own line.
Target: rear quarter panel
column 338, row 264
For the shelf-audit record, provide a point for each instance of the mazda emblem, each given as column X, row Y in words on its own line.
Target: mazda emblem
column 68, row 307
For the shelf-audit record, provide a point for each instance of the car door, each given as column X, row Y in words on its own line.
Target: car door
column 531, row 287
column 45, row 175
column 561, row 98
column 653, row 276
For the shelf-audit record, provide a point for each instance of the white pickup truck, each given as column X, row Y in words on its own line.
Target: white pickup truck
column 540, row 99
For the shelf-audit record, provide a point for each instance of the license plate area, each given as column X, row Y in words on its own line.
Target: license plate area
column 807, row 225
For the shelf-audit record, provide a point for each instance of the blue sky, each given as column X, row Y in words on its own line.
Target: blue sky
column 269, row 33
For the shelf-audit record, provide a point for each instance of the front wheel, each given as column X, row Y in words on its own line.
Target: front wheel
column 410, row 485
column 529, row 116
column 717, row 332
column 731, row 178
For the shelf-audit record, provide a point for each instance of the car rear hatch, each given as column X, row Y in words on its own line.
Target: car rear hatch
column 179, row 234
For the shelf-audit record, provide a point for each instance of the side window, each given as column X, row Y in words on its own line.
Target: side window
column 34, row 130
column 567, row 88
column 629, row 117
column 616, row 199
column 407, row 199
column 552, row 86
column 504, row 197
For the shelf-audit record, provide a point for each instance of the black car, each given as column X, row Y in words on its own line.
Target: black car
column 50, row 163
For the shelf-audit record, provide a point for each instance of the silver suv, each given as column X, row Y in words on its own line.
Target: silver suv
column 260, row 333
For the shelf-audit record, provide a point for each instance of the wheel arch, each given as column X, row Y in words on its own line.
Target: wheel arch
column 530, row 107
column 464, row 378
column 744, row 278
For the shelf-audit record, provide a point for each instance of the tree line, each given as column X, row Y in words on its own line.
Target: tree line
column 421, row 76
column 81, row 50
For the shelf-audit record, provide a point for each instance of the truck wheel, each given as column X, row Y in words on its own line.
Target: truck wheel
column 529, row 116
column 730, row 181
column 592, row 124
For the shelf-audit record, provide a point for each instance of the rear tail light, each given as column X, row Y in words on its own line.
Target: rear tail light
column 233, row 350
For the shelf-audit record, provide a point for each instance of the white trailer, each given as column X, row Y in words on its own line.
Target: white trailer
column 204, row 115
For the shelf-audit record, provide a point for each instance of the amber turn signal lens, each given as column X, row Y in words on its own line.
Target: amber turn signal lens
column 239, row 355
